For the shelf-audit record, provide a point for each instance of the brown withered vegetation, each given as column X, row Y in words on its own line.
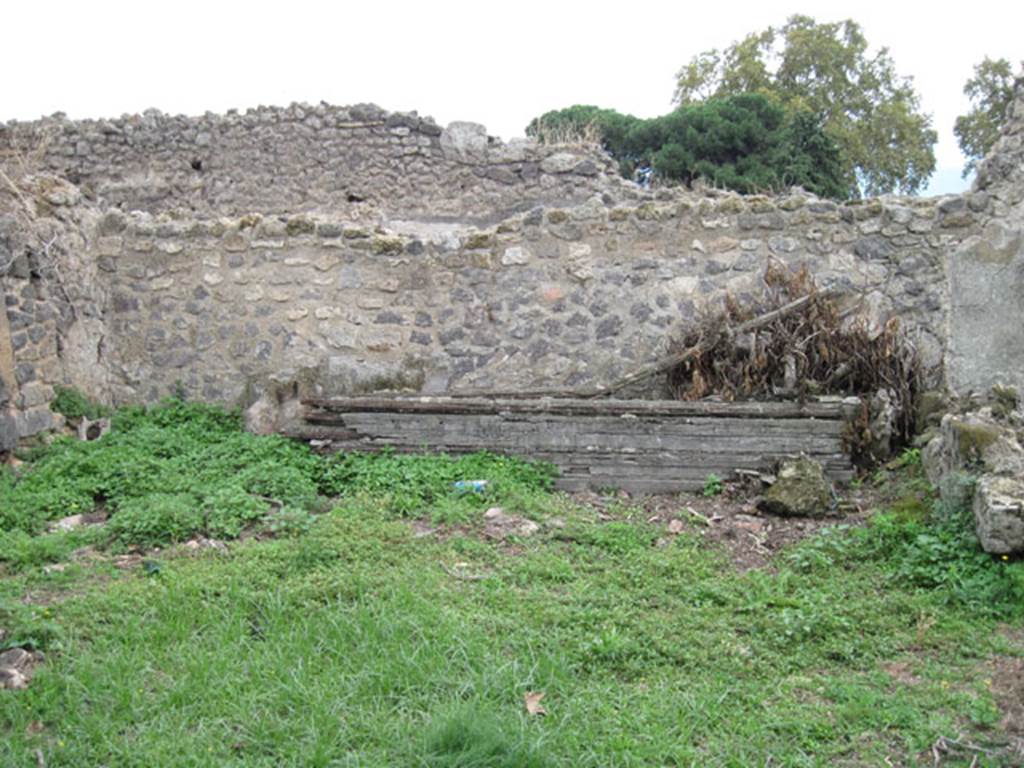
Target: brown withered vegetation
column 795, row 343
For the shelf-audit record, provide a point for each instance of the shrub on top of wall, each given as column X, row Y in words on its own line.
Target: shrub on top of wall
column 748, row 143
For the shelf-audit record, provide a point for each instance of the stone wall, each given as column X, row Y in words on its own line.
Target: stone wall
column 553, row 297
column 1002, row 171
column 51, row 331
column 342, row 250
column 349, row 160
column 986, row 273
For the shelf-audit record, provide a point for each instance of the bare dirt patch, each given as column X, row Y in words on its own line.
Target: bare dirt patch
column 17, row 666
column 901, row 672
column 731, row 519
column 1008, row 691
column 1007, row 675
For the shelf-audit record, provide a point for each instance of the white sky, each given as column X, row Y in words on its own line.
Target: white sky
column 500, row 65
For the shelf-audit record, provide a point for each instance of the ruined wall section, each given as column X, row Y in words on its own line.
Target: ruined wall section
column 467, row 264
column 356, row 162
column 52, row 330
column 1002, row 170
column 986, row 273
column 560, row 297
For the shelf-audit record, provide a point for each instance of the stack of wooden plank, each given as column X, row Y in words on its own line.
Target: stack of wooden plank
column 642, row 446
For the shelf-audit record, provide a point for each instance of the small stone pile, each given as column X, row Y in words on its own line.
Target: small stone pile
column 17, row 666
column 800, row 490
column 984, row 444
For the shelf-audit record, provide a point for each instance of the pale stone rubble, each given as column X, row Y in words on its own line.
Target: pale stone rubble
column 977, row 460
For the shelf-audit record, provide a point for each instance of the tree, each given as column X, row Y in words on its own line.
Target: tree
column 991, row 93
column 747, row 142
column 871, row 112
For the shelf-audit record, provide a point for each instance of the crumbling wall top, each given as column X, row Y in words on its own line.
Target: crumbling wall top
column 305, row 158
column 1003, row 168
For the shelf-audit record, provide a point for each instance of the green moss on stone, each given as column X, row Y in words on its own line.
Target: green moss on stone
column 760, row 204
column 973, row 439
column 1004, row 401
column 479, row 241
column 386, row 244
column 910, row 509
column 652, row 212
column 300, row 225
column 412, row 377
column 957, row 220
column 730, row 205
column 931, row 407
column 801, row 490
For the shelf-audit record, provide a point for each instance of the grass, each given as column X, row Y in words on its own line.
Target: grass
column 352, row 642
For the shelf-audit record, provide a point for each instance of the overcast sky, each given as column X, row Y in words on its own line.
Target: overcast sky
column 497, row 64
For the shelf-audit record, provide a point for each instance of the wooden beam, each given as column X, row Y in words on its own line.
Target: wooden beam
column 832, row 408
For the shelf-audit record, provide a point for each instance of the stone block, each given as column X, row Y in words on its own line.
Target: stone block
column 999, row 514
column 8, row 431
column 800, row 490
column 35, row 420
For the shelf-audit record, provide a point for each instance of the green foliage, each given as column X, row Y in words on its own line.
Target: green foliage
column 744, row 142
column 229, row 508
column 291, row 522
column 871, row 113
column 712, row 485
column 156, row 519
column 411, row 483
column 29, row 626
column 20, row 550
column 991, row 93
column 651, row 649
column 466, row 737
column 72, row 404
column 183, row 469
column 163, row 474
column 911, row 457
column 939, row 553
column 615, row 538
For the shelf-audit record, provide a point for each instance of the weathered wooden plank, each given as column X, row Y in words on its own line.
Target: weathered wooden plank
column 641, row 446
column 655, row 478
column 780, row 410
column 626, row 444
column 498, row 429
column 674, row 460
column 614, row 425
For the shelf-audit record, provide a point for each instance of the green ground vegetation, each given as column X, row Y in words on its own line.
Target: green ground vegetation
column 347, row 637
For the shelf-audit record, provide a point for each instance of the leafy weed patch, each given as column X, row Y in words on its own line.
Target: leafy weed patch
column 178, row 470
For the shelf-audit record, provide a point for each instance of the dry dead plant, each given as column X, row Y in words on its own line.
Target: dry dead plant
column 588, row 135
column 815, row 349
